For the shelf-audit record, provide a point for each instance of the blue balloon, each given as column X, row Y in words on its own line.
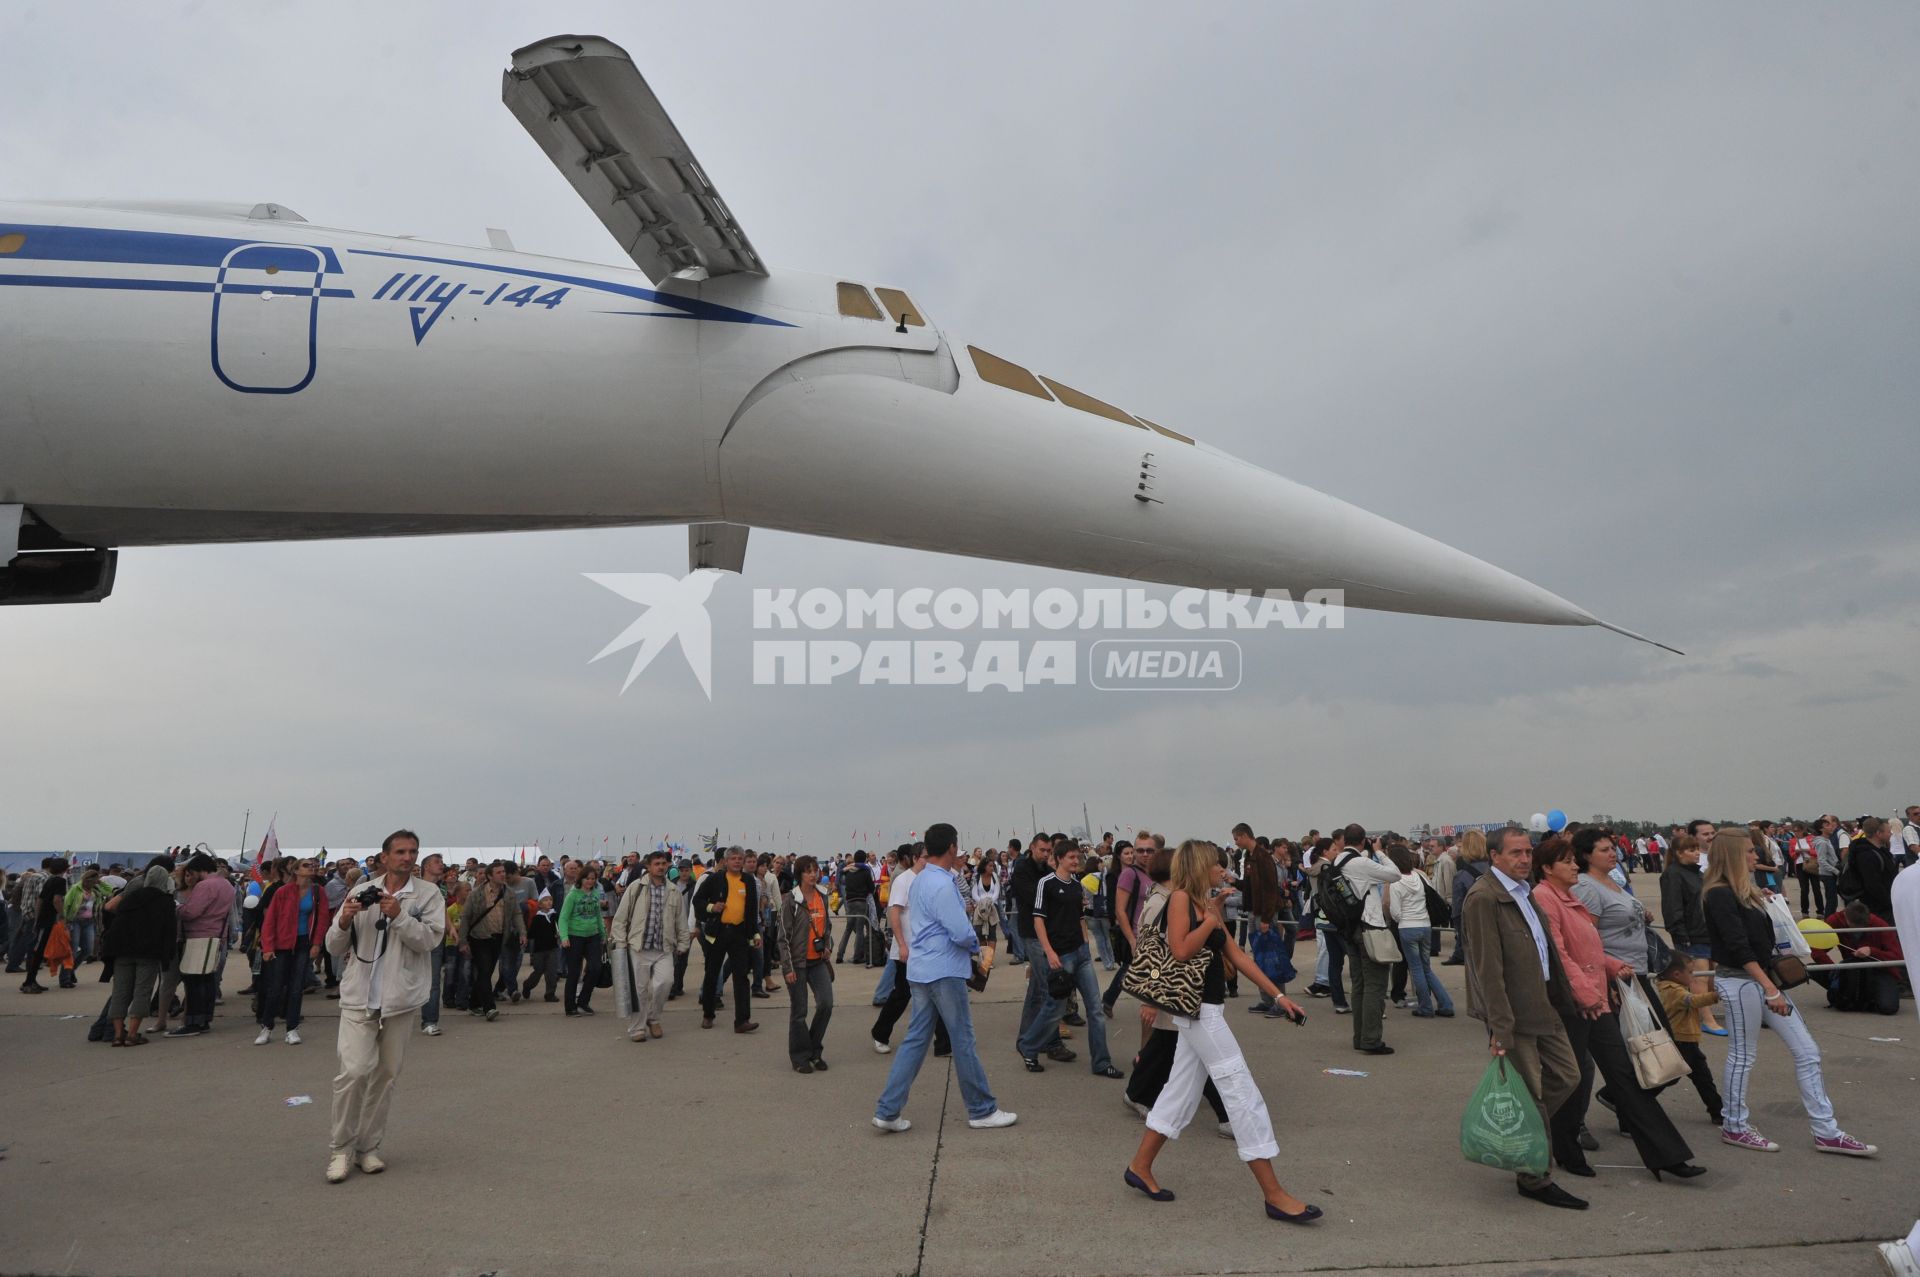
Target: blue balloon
column 1556, row 820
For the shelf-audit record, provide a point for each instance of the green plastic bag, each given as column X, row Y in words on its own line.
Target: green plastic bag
column 1502, row 1125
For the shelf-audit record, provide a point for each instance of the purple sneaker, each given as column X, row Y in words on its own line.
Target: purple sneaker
column 1845, row 1145
column 1749, row 1138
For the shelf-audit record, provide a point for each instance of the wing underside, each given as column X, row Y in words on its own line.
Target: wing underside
column 594, row 115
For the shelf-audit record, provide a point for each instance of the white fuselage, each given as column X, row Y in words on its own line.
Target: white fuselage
column 208, row 376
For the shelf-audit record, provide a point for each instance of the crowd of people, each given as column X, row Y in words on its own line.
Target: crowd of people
column 1558, row 945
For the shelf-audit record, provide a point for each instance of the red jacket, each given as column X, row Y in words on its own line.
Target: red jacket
column 280, row 928
column 1885, row 944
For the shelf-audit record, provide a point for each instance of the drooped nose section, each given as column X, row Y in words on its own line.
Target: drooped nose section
column 1002, row 463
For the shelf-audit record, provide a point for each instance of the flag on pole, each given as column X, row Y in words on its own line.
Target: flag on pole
column 269, row 848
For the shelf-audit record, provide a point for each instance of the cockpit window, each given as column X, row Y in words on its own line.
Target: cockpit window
column 999, row 372
column 1171, row 434
column 900, row 307
column 1087, row 403
column 12, row 242
column 857, row 303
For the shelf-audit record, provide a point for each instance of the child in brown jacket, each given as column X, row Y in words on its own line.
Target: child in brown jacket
column 1683, row 1013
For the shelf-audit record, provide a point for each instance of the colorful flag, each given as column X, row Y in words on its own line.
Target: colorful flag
column 269, row 848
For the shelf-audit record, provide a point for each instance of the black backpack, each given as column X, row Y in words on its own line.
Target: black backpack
column 1340, row 903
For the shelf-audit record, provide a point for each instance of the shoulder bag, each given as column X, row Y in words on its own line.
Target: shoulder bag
column 1656, row 1060
column 1161, row 980
column 198, row 955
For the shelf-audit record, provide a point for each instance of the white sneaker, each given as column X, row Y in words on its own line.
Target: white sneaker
column 1226, row 1130
column 1897, row 1258
column 431, row 1030
column 263, row 1037
column 894, row 1125
column 880, row 1048
column 293, row 1037
column 997, row 1118
column 1135, row 1106
column 371, row 1163
column 339, row 1162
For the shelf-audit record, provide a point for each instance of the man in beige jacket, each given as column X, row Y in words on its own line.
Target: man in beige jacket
column 382, row 944
column 649, row 928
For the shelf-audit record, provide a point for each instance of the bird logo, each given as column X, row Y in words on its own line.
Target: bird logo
column 676, row 609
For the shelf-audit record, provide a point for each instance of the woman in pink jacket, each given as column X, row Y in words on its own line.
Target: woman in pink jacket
column 1594, row 1030
column 205, row 902
column 290, row 934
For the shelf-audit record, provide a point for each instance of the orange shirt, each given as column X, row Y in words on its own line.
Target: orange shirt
column 816, row 925
column 735, row 912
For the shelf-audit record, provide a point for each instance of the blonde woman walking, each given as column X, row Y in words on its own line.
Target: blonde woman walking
column 1207, row 1049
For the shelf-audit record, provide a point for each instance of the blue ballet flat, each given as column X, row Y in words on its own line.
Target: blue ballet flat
column 1306, row 1216
column 1718, row 1033
column 1158, row 1195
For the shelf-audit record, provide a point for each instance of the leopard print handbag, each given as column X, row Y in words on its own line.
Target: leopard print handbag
column 1161, row 980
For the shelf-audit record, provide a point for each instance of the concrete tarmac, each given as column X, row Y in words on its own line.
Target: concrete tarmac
column 544, row 1145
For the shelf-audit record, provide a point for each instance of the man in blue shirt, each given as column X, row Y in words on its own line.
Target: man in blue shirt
column 939, row 952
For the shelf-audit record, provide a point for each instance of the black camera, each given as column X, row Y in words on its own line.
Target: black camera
column 368, row 896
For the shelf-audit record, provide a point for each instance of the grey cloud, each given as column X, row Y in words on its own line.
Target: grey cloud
column 1623, row 300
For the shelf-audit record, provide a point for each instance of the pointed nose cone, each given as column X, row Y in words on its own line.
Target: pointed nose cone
column 1386, row 567
column 1268, row 532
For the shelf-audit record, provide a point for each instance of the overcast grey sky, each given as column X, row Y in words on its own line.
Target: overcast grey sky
column 1622, row 298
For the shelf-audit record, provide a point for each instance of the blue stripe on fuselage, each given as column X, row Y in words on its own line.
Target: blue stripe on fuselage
column 161, row 285
column 154, row 248
column 694, row 308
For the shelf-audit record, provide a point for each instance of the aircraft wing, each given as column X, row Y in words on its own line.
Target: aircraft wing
column 585, row 103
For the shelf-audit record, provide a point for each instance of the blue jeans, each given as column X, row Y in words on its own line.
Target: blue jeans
column 884, row 990
column 1010, row 928
column 1427, row 989
column 1046, row 1025
column 1036, row 1000
column 430, row 1013
column 285, row 984
column 1336, row 947
column 459, row 974
column 81, row 938
column 947, row 1000
column 1101, row 940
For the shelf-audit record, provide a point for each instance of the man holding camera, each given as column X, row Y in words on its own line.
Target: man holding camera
column 383, row 944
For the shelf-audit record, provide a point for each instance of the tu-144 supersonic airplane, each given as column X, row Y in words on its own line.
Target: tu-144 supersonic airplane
column 189, row 373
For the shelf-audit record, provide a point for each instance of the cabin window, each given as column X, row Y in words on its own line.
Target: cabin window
column 900, row 308
column 12, row 242
column 1087, row 403
column 857, row 303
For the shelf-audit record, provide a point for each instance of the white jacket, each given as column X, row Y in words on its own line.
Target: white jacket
column 390, row 970
column 1407, row 902
column 1368, row 872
